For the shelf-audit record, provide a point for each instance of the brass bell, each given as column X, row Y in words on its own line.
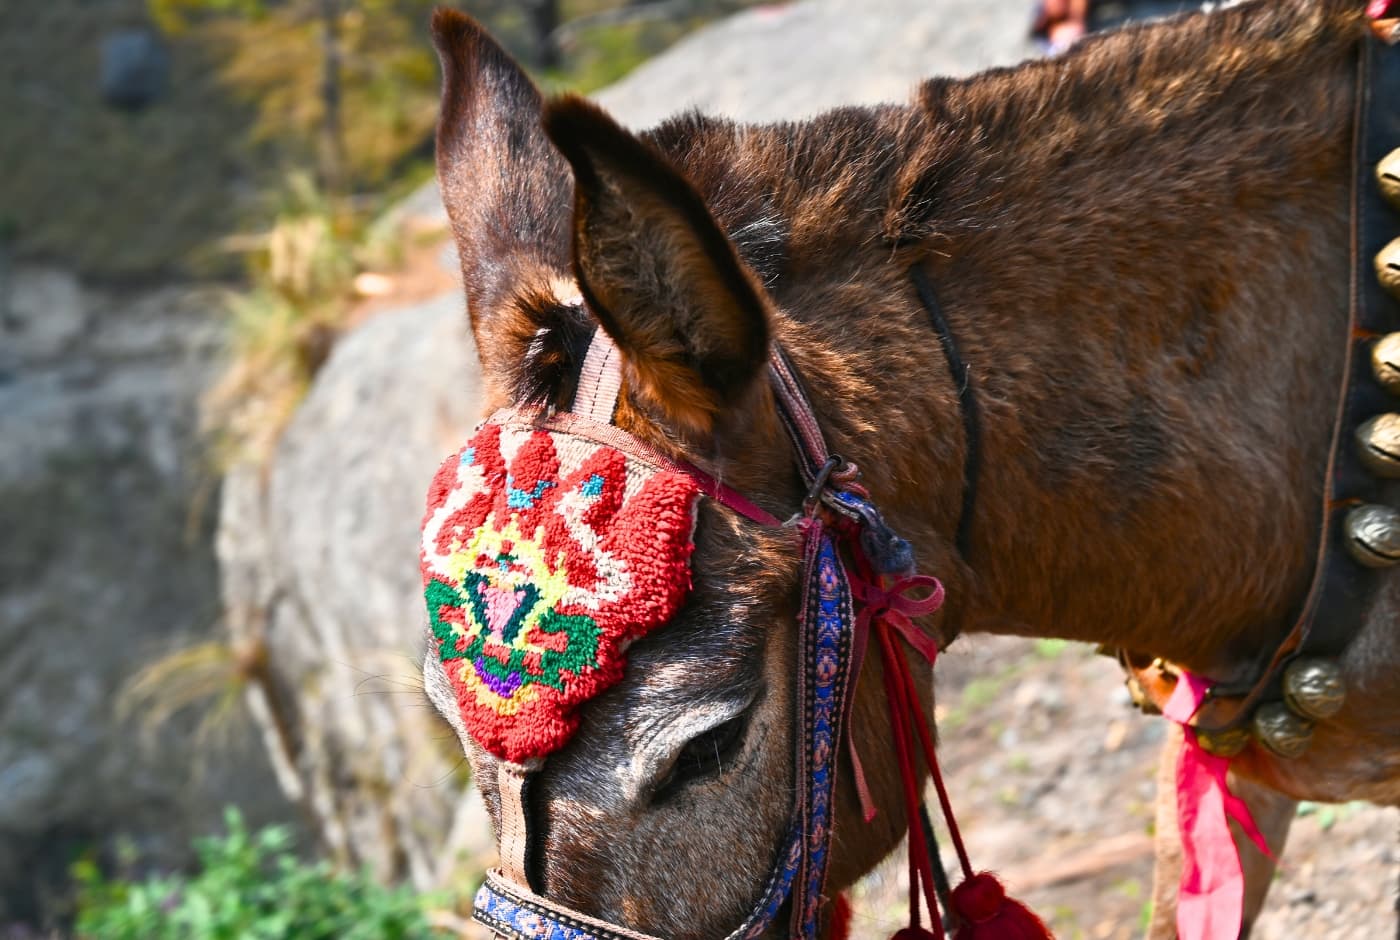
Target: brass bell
column 1388, row 176
column 1314, row 688
column 1378, row 445
column 1373, row 535
column 1385, row 361
column 1388, row 267
column 1223, row 743
column 1281, row 731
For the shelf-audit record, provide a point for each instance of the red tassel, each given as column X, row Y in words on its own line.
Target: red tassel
column 840, row 919
column 986, row 913
column 913, row 933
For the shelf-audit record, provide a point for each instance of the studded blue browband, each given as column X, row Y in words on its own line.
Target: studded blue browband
column 837, row 511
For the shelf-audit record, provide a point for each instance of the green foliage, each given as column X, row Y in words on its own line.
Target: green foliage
column 130, row 195
column 172, row 15
column 249, row 886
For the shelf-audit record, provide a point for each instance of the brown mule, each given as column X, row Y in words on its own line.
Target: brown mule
column 1141, row 248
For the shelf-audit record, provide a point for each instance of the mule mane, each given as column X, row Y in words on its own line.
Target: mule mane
column 1200, row 95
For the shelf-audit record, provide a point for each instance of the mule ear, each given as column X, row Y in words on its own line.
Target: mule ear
column 505, row 188
column 689, row 317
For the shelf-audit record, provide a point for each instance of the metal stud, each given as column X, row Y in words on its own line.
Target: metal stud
column 1388, row 267
column 1314, row 688
column 1378, row 445
column 1388, row 176
column 1281, row 731
column 1385, row 360
column 1373, row 535
column 1223, row 743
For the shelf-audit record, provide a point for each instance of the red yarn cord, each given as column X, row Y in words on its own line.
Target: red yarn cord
column 931, row 758
column 902, row 749
column 900, row 707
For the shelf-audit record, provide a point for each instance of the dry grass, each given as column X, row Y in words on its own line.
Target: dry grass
column 209, row 677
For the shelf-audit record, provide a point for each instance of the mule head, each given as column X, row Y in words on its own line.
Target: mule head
column 665, row 809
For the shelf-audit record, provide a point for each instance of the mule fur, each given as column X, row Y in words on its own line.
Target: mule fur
column 1141, row 248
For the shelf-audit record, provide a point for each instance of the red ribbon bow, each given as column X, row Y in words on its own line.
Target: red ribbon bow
column 895, row 606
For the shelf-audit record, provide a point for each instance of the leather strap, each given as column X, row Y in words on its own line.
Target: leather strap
column 1342, row 590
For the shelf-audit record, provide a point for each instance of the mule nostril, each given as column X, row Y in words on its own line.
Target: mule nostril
column 704, row 756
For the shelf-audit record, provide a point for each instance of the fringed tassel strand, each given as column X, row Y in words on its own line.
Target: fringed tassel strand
column 980, row 905
column 920, row 868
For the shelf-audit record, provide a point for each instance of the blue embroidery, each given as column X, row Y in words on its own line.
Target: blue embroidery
column 519, row 499
column 593, row 486
column 468, row 456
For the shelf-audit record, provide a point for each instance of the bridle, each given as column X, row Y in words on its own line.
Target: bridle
column 837, row 514
column 858, row 584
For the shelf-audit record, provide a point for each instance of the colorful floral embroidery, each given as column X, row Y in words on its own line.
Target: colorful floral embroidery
column 544, row 555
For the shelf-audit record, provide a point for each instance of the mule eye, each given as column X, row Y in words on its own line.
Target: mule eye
column 705, row 755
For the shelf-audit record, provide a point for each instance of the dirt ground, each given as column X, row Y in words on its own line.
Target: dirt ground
column 1051, row 772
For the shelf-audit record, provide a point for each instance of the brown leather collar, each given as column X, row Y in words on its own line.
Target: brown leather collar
column 1342, row 588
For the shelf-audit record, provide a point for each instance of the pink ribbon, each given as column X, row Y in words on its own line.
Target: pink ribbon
column 1210, row 903
column 1379, row 9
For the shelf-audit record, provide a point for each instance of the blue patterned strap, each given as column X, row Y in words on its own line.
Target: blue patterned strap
column 826, row 622
column 510, row 910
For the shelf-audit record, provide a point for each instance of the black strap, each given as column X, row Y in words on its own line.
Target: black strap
column 967, row 404
column 534, row 844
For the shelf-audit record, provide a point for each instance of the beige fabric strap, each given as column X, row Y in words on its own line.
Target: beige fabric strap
column 514, row 837
column 600, row 380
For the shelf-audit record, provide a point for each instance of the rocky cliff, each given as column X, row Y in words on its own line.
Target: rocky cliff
column 106, row 563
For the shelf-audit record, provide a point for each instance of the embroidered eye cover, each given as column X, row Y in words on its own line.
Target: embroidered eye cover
column 544, row 556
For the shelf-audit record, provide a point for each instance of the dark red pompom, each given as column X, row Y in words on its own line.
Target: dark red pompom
column 914, row 933
column 986, row 913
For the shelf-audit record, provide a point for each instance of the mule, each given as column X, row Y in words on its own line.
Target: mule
column 1141, row 248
